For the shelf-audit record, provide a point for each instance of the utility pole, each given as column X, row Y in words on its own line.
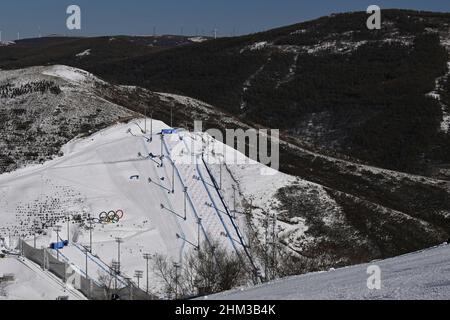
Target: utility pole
column 185, row 203
column 151, row 126
column 162, row 151
column 199, row 222
column 234, row 200
column 171, row 116
column 147, row 257
column 220, row 175
column 57, row 229
column 176, row 266
column 68, row 227
column 266, row 247
column 86, row 251
column 138, row 275
column 34, row 232
column 173, row 177
column 274, row 248
column 119, row 241
column 116, row 269
column 145, row 119
column 90, row 233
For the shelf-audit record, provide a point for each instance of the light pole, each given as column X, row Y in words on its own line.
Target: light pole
column 119, row 241
column 68, row 227
column 151, row 126
column 116, row 269
column 138, row 275
column 176, row 266
column 147, row 257
column 162, row 151
column 185, row 203
column 173, row 176
column 220, row 175
column 90, row 233
column 57, row 229
column 145, row 119
column 234, row 200
column 199, row 222
column 86, row 251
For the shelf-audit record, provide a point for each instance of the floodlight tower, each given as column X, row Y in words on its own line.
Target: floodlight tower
column 138, row 275
column 147, row 257
column 119, row 241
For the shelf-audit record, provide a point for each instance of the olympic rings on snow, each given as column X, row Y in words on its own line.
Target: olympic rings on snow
column 110, row 217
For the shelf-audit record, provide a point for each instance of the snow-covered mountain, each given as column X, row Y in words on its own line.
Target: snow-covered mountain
column 119, row 167
column 76, row 145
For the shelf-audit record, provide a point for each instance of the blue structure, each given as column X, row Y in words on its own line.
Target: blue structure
column 169, row 131
column 59, row 245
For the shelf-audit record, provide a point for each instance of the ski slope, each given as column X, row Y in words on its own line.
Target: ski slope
column 420, row 275
column 120, row 168
column 32, row 283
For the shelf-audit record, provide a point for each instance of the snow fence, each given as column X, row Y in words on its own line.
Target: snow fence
column 90, row 288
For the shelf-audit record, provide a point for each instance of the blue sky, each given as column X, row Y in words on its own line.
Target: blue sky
column 138, row 17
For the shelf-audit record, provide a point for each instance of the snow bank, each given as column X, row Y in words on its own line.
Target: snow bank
column 421, row 275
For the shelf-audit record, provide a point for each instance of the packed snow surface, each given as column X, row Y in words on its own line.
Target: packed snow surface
column 31, row 283
column 420, row 275
column 67, row 73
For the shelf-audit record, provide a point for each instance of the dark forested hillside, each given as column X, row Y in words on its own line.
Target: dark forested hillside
column 331, row 84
